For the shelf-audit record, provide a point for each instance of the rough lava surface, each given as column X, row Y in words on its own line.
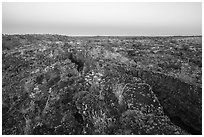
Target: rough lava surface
column 55, row 85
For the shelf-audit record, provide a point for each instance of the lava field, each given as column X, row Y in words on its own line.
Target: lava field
column 61, row 85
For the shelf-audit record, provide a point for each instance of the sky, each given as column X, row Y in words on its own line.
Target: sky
column 121, row 19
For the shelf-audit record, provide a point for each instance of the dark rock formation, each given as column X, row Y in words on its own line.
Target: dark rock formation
column 181, row 101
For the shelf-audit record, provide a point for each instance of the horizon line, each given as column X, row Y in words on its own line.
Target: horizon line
column 195, row 35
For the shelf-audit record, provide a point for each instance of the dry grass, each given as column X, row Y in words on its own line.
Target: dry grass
column 118, row 90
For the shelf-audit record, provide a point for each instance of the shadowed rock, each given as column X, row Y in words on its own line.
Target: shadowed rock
column 181, row 101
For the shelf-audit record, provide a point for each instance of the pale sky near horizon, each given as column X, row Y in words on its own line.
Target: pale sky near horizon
column 147, row 19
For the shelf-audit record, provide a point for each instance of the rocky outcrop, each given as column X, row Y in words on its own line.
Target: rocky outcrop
column 181, row 101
